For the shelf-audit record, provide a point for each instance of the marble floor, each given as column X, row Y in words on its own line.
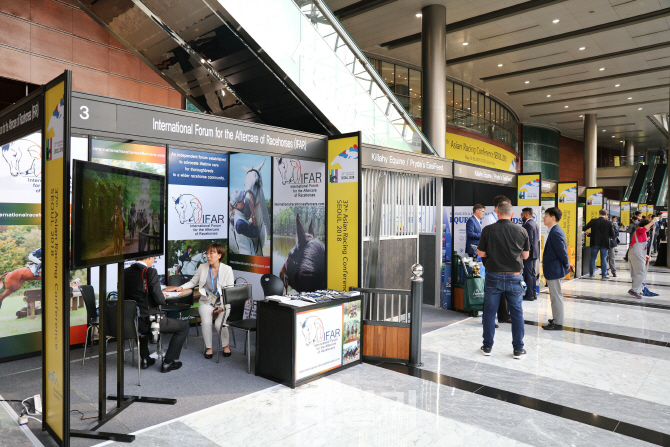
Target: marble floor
column 602, row 382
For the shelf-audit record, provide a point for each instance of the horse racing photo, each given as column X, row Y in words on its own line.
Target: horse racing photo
column 122, row 214
column 299, row 224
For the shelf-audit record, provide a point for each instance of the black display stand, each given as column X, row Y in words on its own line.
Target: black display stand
column 276, row 341
column 121, row 402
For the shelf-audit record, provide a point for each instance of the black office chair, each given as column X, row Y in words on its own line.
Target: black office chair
column 272, row 285
column 92, row 319
column 130, row 330
column 237, row 296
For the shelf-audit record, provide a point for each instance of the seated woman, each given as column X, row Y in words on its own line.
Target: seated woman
column 212, row 278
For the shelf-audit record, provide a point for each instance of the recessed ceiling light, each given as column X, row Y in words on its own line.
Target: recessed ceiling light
column 418, row 14
column 499, row 65
column 202, row 61
column 548, row 96
column 581, row 116
column 527, row 82
column 465, row 43
column 582, row 48
column 613, row 136
column 602, row 69
column 620, row 141
column 604, row 130
column 630, row 97
column 567, row 107
column 555, row 21
column 640, row 108
column 617, row 85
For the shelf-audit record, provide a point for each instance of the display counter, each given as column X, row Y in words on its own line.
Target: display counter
column 295, row 345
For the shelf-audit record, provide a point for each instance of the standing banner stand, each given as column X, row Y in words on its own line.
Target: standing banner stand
column 567, row 203
column 343, row 212
column 625, row 214
column 56, row 273
column 529, row 189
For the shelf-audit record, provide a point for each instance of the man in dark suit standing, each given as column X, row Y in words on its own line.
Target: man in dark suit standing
column 556, row 265
column 529, row 273
column 473, row 230
column 601, row 233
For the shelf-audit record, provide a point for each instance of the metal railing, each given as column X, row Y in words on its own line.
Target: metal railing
column 466, row 120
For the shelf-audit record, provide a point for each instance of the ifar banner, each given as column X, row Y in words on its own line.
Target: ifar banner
column 55, row 243
column 625, row 213
column 594, row 203
column 528, row 188
column 567, row 203
column 343, row 211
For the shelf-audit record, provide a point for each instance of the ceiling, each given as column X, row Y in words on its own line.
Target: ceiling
column 629, row 39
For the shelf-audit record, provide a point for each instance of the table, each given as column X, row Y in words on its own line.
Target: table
column 295, row 345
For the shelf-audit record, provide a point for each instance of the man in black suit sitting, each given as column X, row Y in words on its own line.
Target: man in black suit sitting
column 142, row 286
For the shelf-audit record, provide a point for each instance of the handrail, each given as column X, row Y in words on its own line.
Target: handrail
column 663, row 192
column 629, row 190
column 642, row 198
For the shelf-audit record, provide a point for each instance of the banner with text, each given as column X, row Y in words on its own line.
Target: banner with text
column 197, row 207
column 528, row 188
column 343, row 203
column 55, row 286
column 318, row 341
column 625, row 213
column 567, row 203
column 469, row 150
column 299, row 224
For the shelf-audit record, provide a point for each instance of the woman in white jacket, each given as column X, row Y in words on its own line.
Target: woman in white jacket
column 212, row 278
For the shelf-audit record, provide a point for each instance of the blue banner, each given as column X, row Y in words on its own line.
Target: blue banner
column 195, row 168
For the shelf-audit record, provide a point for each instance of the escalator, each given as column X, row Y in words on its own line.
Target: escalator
column 286, row 63
column 658, row 177
column 637, row 183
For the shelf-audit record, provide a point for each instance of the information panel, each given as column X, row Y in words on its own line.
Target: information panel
column 567, row 203
column 625, row 213
column 55, row 241
column 343, row 211
column 594, row 203
column 528, row 187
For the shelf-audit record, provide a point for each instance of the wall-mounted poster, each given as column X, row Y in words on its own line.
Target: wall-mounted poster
column 197, row 208
column 351, row 332
column 299, row 224
column 249, row 233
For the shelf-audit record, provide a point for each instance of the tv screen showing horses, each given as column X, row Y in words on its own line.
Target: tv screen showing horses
column 117, row 214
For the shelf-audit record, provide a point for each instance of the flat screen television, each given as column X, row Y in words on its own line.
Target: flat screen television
column 117, row 214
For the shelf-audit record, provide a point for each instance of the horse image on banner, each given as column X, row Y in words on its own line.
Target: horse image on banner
column 23, row 157
column 250, row 214
column 312, row 330
column 305, row 267
column 188, row 208
column 289, row 170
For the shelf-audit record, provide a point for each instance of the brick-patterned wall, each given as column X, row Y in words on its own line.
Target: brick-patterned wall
column 41, row 38
column 570, row 160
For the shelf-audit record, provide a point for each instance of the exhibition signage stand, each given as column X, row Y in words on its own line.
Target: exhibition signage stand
column 298, row 344
column 567, row 203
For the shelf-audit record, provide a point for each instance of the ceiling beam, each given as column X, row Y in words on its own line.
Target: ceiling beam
column 586, row 60
column 588, row 81
column 599, row 95
column 483, row 19
column 360, row 7
column 565, row 36
column 593, row 109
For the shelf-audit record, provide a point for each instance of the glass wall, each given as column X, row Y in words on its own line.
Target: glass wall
column 467, row 108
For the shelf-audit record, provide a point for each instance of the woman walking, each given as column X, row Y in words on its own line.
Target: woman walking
column 637, row 257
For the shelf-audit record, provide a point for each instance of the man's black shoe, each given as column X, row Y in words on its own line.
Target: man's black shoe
column 552, row 327
column 519, row 353
column 486, row 350
column 170, row 366
column 147, row 362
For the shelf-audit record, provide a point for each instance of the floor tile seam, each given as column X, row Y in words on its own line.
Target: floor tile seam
column 645, row 379
column 615, row 301
column 444, row 327
column 525, row 402
column 605, row 334
column 627, row 282
column 539, row 315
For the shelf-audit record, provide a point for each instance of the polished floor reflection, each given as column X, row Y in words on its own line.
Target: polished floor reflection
column 604, row 382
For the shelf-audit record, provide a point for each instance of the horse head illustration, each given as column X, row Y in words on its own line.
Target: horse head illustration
column 312, row 330
column 305, row 266
column 23, row 157
column 289, row 170
column 189, row 208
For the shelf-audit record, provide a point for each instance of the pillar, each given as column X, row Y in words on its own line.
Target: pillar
column 630, row 153
column 590, row 149
column 434, row 76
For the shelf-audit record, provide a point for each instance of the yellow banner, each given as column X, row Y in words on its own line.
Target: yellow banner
column 342, row 230
column 625, row 213
column 528, row 189
column 594, row 203
column 642, row 208
column 56, row 290
column 567, row 203
column 650, row 209
column 477, row 152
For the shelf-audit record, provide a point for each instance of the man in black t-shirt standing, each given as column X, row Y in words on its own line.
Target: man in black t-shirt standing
column 503, row 247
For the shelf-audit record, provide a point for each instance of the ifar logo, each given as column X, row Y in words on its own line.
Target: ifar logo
column 189, row 210
column 314, row 332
